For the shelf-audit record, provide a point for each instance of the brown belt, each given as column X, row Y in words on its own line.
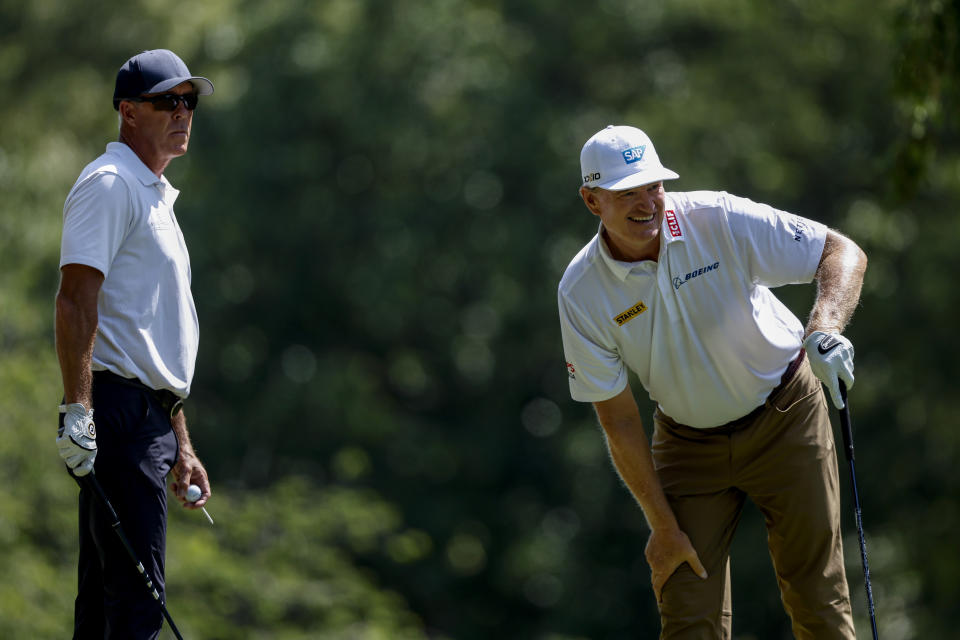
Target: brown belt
column 743, row 421
column 784, row 379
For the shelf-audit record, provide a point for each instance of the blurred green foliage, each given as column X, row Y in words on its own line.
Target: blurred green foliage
column 379, row 200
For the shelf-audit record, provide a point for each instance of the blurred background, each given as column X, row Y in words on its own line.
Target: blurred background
column 379, row 201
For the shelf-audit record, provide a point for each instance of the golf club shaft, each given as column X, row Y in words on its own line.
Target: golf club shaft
column 115, row 523
column 847, row 429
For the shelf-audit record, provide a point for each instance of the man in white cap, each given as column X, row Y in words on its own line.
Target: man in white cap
column 676, row 288
column 127, row 335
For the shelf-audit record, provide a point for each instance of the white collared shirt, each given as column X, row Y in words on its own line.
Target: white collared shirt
column 118, row 218
column 700, row 327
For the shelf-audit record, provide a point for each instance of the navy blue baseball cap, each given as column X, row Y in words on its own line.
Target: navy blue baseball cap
column 155, row 71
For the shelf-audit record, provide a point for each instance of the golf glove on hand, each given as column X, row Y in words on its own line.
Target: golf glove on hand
column 831, row 358
column 77, row 438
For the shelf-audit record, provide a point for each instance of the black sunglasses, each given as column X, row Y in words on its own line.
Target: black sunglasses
column 170, row 101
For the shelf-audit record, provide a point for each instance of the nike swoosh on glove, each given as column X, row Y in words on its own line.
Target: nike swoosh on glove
column 831, row 358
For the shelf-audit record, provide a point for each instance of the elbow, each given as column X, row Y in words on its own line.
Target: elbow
column 840, row 252
column 71, row 313
column 67, row 307
column 856, row 257
column 852, row 249
column 64, row 307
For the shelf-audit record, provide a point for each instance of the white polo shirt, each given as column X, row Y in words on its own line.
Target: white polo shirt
column 118, row 219
column 700, row 327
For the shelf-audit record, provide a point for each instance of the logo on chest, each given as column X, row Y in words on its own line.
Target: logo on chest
column 630, row 314
column 679, row 282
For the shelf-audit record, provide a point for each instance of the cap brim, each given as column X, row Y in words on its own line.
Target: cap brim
column 203, row 86
column 639, row 179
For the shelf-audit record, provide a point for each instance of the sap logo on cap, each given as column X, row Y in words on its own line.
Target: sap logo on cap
column 634, row 154
column 624, row 157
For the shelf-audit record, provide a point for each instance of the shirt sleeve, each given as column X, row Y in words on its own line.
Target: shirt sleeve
column 595, row 370
column 96, row 217
column 778, row 248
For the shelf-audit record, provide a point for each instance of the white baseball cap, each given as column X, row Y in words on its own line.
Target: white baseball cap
column 621, row 157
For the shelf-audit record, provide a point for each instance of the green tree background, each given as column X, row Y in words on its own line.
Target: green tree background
column 379, row 200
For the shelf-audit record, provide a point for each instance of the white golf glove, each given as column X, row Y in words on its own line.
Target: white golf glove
column 77, row 438
column 831, row 358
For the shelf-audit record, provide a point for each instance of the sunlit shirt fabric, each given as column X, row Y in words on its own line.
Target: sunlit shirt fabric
column 118, row 219
column 700, row 327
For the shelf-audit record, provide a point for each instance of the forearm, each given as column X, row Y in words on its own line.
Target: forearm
column 75, row 332
column 630, row 451
column 668, row 547
column 179, row 424
column 188, row 469
column 839, row 280
column 631, row 456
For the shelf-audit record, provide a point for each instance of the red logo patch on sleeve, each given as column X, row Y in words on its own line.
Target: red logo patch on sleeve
column 672, row 223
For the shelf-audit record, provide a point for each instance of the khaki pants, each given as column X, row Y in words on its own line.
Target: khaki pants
column 785, row 461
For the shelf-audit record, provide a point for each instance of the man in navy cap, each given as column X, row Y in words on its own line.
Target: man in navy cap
column 126, row 338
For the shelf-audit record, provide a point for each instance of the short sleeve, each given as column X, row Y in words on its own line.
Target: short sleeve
column 96, row 217
column 777, row 247
column 595, row 370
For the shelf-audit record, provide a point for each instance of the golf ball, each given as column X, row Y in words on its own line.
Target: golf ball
column 193, row 493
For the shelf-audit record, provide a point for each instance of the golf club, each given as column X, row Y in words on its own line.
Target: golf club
column 847, row 430
column 91, row 479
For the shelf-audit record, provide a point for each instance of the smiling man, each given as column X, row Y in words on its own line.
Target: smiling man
column 676, row 287
column 127, row 335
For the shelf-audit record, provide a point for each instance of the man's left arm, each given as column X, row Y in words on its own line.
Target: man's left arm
column 839, row 278
column 188, row 469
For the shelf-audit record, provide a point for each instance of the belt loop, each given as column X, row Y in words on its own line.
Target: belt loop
column 789, row 373
column 176, row 408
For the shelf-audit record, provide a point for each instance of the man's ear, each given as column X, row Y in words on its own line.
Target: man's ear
column 590, row 199
column 128, row 113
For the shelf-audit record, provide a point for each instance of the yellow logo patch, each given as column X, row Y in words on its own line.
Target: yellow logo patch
column 630, row 313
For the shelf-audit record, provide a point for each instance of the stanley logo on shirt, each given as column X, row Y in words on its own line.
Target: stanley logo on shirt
column 630, row 313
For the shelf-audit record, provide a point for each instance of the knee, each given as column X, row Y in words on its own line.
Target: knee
column 694, row 608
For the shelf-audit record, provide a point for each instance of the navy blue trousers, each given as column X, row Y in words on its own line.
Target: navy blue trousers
column 136, row 450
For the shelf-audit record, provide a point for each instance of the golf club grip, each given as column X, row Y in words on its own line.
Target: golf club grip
column 845, row 427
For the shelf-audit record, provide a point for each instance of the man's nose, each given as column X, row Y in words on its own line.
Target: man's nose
column 648, row 202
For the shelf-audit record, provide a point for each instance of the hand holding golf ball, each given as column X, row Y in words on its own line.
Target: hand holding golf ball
column 193, row 494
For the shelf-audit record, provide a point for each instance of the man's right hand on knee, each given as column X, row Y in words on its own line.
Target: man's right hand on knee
column 666, row 550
